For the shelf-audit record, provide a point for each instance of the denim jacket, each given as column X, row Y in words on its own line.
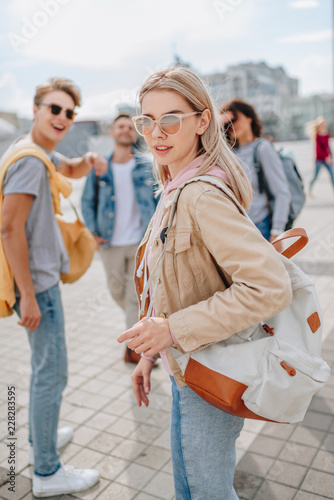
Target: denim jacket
column 101, row 220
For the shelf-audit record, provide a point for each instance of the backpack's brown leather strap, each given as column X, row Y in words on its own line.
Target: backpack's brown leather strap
column 297, row 245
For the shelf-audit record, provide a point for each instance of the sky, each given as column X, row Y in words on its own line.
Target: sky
column 110, row 47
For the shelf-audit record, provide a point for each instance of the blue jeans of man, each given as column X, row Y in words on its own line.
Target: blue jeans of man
column 203, row 447
column 318, row 165
column 48, row 380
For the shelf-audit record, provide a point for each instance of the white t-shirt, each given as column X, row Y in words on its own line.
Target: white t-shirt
column 128, row 228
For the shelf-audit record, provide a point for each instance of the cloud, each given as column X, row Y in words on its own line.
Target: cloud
column 314, row 71
column 304, row 4
column 104, row 104
column 103, row 35
column 317, row 36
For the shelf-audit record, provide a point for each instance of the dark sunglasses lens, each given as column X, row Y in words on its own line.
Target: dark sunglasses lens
column 70, row 114
column 230, row 123
column 170, row 124
column 144, row 125
column 55, row 109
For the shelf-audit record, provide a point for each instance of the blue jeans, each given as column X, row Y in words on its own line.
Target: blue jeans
column 203, row 447
column 265, row 227
column 48, row 380
column 318, row 165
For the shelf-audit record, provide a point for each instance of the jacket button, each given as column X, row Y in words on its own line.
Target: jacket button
column 163, row 315
column 102, row 183
column 110, row 215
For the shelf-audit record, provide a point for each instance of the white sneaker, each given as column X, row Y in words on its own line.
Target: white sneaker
column 67, row 479
column 64, row 436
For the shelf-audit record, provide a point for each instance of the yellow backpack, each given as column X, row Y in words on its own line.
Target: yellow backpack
column 79, row 242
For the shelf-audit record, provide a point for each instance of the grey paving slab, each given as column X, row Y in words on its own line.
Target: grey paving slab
column 118, row 491
column 303, row 495
column 267, row 446
column 246, row 485
column 270, row 490
column 298, row 453
column 21, row 485
column 290, row 474
column 319, row 482
column 255, row 464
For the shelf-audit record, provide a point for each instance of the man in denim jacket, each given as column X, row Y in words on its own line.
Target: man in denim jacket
column 117, row 208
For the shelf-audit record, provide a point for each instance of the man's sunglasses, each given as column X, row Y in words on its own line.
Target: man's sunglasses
column 169, row 124
column 56, row 110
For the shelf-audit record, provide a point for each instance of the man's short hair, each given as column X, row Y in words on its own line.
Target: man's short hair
column 56, row 83
column 121, row 115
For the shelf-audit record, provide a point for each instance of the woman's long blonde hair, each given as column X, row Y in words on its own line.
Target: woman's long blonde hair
column 312, row 128
column 212, row 143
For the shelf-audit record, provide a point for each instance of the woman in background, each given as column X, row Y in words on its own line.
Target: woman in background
column 244, row 130
column 319, row 133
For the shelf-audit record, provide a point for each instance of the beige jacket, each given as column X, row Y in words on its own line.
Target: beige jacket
column 219, row 274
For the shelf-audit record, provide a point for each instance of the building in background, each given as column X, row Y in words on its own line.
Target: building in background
column 252, row 81
column 297, row 111
column 10, row 128
column 10, row 118
column 275, row 95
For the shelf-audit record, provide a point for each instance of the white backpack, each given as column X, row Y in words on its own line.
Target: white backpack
column 268, row 371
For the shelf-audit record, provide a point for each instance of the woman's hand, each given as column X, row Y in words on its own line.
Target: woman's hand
column 141, row 381
column 148, row 336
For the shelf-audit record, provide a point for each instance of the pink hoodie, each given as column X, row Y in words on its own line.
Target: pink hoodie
column 191, row 171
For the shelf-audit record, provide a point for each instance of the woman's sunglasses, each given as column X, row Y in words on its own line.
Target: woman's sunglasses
column 169, row 124
column 56, row 110
column 231, row 121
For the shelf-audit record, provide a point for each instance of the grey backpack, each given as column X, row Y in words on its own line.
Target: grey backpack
column 294, row 179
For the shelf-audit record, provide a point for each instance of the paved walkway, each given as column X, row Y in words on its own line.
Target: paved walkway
column 130, row 445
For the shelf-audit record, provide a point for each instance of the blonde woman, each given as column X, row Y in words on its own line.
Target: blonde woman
column 323, row 155
column 219, row 274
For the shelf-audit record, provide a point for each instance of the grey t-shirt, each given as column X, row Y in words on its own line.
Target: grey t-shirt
column 47, row 254
column 275, row 176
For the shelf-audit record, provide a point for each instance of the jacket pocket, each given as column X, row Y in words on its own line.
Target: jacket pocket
column 179, row 261
column 286, row 382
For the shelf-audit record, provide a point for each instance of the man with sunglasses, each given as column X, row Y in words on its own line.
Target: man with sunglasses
column 36, row 255
column 117, row 208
